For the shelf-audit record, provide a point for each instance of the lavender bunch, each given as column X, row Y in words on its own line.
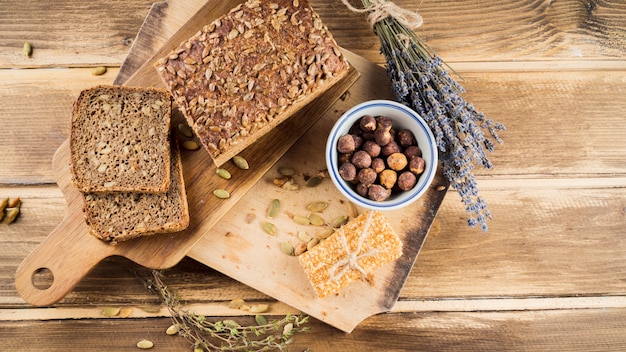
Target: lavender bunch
column 420, row 81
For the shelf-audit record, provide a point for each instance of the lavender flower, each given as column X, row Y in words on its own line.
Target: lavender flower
column 420, row 81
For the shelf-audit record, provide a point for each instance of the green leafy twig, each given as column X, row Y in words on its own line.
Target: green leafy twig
column 227, row 334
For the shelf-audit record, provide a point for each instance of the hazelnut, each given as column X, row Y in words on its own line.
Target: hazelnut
column 390, row 148
column 412, row 151
column 378, row 193
column 345, row 158
column 358, row 141
column 405, row 138
column 382, row 137
column 347, row 171
column 416, row 165
column 361, row 159
column 345, row 144
column 368, row 135
column 397, row 161
column 407, row 180
column 378, row 165
column 367, row 123
column 362, row 190
column 371, row 148
column 384, row 123
column 388, row 178
column 367, row 176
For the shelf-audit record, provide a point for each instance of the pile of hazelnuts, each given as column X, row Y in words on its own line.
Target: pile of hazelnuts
column 378, row 160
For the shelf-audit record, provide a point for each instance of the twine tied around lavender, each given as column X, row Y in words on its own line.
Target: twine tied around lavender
column 341, row 267
column 381, row 9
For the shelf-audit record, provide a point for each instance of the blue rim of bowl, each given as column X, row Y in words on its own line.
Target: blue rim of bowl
column 348, row 191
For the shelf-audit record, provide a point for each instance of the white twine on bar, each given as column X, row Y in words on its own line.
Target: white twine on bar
column 352, row 258
column 381, row 9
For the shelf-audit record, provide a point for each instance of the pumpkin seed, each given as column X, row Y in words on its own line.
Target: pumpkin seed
column 260, row 319
column 352, row 210
column 312, row 243
column 231, row 324
column 301, row 220
column 259, row 308
column 145, row 344
column 269, row 228
column 240, row 162
column 317, row 207
column 300, row 248
column 185, row 130
column 339, row 221
column 313, row 181
column 303, row 236
column 316, row 219
column 236, row 303
column 110, row 311
column 125, row 312
column 27, row 49
column 286, row 171
column 99, row 71
column 287, row 330
column 223, row 173
column 325, row 233
column 3, row 204
column 286, row 248
column 191, row 145
column 173, row 329
column 198, row 349
column 272, row 210
column 221, row 193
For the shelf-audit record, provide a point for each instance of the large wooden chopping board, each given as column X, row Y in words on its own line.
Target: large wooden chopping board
column 69, row 252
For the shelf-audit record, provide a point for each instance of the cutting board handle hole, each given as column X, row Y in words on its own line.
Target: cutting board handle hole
column 42, row 278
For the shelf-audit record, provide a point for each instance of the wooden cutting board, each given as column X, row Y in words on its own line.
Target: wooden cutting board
column 69, row 252
column 238, row 247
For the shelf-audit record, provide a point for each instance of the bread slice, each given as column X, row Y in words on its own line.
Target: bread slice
column 121, row 216
column 119, row 139
column 250, row 70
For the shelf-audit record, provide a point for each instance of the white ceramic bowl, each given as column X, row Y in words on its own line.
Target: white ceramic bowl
column 403, row 117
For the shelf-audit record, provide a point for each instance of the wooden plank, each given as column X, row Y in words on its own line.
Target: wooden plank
column 552, row 240
column 585, row 138
column 461, row 31
column 560, row 330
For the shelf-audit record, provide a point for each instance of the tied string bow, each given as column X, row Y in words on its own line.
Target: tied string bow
column 340, row 268
column 381, row 9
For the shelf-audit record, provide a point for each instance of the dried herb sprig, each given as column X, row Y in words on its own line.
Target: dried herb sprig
column 420, row 81
column 227, row 334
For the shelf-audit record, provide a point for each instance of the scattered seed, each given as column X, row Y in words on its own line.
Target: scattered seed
column 110, row 311
column 339, row 221
column 99, row 71
column 441, row 188
column 240, row 162
column 125, row 312
column 300, row 248
column 145, row 344
column 325, row 233
column 27, row 49
column 250, row 218
column 272, row 211
column 223, row 173
column 352, row 210
column 301, row 220
column 317, row 207
column 313, row 181
column 260, row 319
column 269, row 228
column 316, row 219
column 185, row 130
column 286, row 248
column 14, row 203
column 287, row 330
column 312, row 243
column 221, row 193
column 173, row 329
column 286, row 171
column 231, row 323
column 291, row 186
column 191, row 145
column 303, row 236
column 236, row 303
column 198, row 349
column 259, row 308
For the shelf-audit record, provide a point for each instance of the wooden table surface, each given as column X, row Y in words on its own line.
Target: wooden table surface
column 549, row 275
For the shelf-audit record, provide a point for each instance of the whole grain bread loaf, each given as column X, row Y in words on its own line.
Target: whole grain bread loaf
column 121, row 216
column 250, row 70
column 119, row 139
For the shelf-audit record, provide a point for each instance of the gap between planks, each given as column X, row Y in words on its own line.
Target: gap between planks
column 220, row 309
